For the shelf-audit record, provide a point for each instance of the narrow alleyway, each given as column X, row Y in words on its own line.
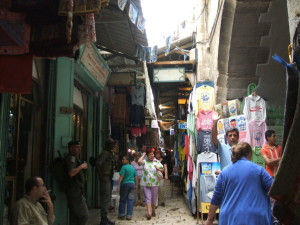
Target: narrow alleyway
column 175, row 212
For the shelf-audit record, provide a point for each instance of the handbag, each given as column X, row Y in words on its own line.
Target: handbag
column 159, row 175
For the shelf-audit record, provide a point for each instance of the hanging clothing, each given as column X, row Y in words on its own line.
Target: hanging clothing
column 137, row 116
column 205, row 96
column 241, row 122
column 256, row 133
column 255, row 108
column 204, row 143
column 205, row 120
column 138, row 95
column 203, row 157
column 232, row 107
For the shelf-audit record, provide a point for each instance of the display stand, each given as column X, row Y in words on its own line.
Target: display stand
column 200, row 204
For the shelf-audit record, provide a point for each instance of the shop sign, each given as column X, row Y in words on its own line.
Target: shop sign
column 94, row 63
column 163, row 75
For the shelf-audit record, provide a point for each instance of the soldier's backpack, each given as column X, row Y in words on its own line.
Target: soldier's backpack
column 60, row 172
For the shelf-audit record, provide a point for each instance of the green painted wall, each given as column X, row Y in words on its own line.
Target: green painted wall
column 62, row 125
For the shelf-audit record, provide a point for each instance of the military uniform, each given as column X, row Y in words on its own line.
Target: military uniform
column 105, row 169
column 74, row 191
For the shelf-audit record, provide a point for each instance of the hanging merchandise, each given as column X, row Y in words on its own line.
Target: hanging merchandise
column 257, row 158
column 241, row 123
column 232, row 107
column 205, row 98
column 208, row 180
column 86, row 30
column 204, row 143
column 139, row 52
column 133, row 13
column 255, row 107
column 225, row 110
column 218, row 109
column 15, row 29
column 220, row 127
column 233, row 121
column 138, row 95
column 154, row 50
column 148, row 54
column 255, row 133
column 122, row 4
column 168, row 45
column 141, row 24
column 205, row 120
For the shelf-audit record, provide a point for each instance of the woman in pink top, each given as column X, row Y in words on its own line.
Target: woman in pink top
column 139, row 198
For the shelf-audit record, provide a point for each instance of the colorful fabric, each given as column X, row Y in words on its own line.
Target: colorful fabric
column 242, row 194
column 205, row 120
column 255, row 108
column 274, row 152
column 257, row 157
column 129, row 173
column 16, row 74
column 241, row 123
column 86, row 30
column 15, row 36
column 149, row 177
column 204, row 143
column 205, row 96
column 232, row 107
column 256, row 133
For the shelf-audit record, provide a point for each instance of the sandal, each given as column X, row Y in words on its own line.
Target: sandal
column 148, row 216
column 153, row 214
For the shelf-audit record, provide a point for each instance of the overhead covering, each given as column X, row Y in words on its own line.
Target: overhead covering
column 116, row 32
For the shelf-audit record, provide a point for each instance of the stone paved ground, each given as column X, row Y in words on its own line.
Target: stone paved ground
column 175, row 212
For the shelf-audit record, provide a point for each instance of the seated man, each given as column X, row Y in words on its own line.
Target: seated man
column 28, row 210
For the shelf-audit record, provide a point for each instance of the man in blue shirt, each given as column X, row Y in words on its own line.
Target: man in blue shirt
column 224, row 150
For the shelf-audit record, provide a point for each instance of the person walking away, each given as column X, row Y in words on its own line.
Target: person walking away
column 150, row 181
column 105, row 170
column 29, row 210
column 241, row 191
column 224, row 150
column 127, row 186
column 271, row 152
column 75, row 185
column 161, row 189
column 139, row 198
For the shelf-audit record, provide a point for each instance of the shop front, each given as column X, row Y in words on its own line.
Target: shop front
column 79, row 114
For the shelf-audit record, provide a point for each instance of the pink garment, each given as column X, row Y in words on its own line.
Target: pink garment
column 256, row 133
column 205, row 120
column 190, row 168
column 186, row 147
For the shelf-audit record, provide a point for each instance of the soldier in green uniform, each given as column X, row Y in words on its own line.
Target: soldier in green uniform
column 105, row 169
column 74, row 191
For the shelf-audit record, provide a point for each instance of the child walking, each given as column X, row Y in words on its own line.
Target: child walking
column 126, row 186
